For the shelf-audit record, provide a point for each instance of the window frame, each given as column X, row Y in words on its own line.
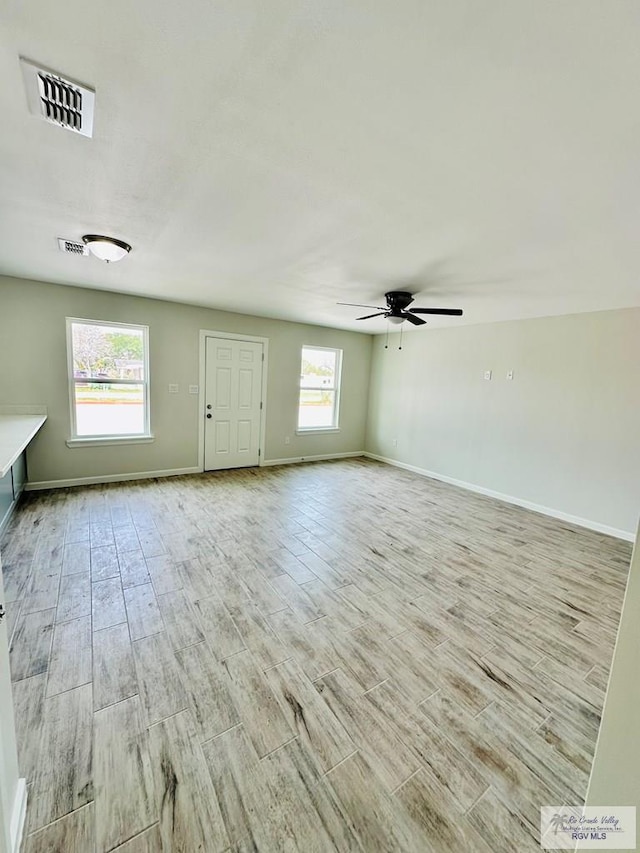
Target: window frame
column 337, row 390
column 108, row 438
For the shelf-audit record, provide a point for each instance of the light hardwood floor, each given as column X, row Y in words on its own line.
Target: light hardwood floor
column 334, row 656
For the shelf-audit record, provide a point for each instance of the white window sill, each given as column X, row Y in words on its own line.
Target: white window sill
column 109, row 440
column 307, row 430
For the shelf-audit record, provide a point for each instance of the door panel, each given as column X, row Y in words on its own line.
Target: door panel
column 244, row 436
column 245, row 389
column 223, row 388
column 233, row 385
column 222, row 433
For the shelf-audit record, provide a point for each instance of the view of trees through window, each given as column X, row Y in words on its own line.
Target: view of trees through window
column 319, row 385
column 109, row 381
column 99, row 350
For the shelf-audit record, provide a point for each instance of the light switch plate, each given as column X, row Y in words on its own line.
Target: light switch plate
column 193, row 389
column 509, row 374
column 487, row 374
column 173, row 389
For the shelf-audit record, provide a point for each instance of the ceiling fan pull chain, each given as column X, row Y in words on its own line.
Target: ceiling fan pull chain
column 386, row 343
column 400, row 347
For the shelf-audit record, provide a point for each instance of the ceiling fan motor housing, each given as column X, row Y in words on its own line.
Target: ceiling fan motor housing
column 398, row 300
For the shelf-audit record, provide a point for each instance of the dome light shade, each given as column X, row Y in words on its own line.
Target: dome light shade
column 396, row 320
column 107, row 249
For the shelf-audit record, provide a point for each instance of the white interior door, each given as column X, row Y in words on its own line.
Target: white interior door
column 233, row 408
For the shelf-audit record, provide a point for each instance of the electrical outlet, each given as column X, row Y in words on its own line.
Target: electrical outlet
column 488, row 374
column 173, row 389
column 287, row 440
column 193, row 389
column 509, row 374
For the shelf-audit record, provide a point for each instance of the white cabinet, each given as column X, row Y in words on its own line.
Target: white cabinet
column 6, row 497
column 19, row 474
column 11, row 486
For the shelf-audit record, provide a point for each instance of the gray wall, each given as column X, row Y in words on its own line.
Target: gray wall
column 563, row 434
column 33, row 356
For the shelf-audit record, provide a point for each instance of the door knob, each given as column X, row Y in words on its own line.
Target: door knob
column 209, row 415
column 208, row 405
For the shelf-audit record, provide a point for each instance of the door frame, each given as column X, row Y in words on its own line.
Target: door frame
column 202, row 391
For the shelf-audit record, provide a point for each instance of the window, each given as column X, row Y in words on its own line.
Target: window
column 319, row 389
column 108, row 380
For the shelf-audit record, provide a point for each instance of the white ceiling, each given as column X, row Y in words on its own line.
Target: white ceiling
column 275, row 157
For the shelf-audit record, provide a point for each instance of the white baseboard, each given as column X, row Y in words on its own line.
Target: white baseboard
column 18, row 815
column 109, row 478
column 171, row 472
column 292, row 460
column 510, row 499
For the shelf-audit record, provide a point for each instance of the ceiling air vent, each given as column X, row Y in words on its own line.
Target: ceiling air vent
column 72, row 247
column 57, row 99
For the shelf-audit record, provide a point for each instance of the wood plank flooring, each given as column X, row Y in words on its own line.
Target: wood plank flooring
column 332, row 656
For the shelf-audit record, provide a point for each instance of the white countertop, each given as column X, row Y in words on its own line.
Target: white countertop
column 16, row 431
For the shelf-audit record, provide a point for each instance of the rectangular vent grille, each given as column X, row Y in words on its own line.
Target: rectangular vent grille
column 72, row 247
column 59, row 100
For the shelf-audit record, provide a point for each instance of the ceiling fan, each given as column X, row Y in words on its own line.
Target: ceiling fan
column 397, row 310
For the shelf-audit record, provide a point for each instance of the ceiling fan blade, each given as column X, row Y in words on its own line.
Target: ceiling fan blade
column 369, row 316
column 358, row 305
column 415, row 320
column 452, row 312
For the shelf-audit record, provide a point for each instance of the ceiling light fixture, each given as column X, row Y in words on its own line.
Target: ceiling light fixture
column 396, row 320
column 108, row 249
